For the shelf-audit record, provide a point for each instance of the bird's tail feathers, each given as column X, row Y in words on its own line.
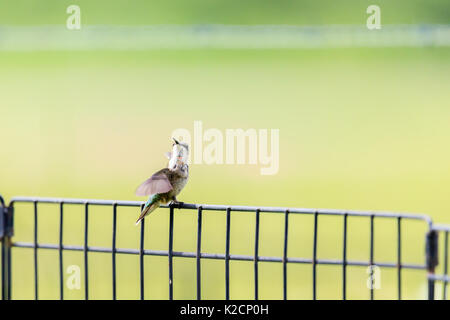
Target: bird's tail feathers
column 148, row 209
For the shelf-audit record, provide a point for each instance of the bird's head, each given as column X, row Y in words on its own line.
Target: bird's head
column 180, row 152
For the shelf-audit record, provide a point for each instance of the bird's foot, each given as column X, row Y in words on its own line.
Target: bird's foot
column 176, row 203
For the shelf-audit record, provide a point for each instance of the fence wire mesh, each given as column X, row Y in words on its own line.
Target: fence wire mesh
column 344, row 263
column 440, row 276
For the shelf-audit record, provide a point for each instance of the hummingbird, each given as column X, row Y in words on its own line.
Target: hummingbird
column 164, row 185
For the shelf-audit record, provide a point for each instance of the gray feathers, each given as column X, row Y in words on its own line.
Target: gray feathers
column 157, row 183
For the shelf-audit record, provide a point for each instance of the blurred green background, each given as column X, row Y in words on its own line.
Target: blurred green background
column 360, row 128
column 293, row 12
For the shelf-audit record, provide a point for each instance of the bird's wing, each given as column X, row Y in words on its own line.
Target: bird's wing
column 157, row 183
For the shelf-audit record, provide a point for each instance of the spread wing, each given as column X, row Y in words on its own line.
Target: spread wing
column 157, row 183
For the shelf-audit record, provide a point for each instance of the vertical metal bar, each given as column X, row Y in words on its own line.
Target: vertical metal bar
column 8, row 263
column 8, row 243
column 371, row 256
column 344, row 260
column 431, row 289
column 314, row 260
column 60, row 249
column 6, row 267
column 114, row 294
column 4, row 297
column 227, row 255
column 444, row 293
column 256, row 252
column 85, row 250
column 399, row 257
column 6, row 223
column 3, row 253
column 171, row 218
column 141, row 260
column 36, row 291
column 432, row 259
column 285, row 253
column 198, row 255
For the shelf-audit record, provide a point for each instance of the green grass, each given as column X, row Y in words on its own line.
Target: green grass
column 359, row 129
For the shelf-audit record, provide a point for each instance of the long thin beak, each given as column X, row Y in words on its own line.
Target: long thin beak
column 175, row 141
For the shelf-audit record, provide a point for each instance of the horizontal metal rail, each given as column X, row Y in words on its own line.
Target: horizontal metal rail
column 381, row 214
column 441, row 227
column 216, row 256
column 442, row 278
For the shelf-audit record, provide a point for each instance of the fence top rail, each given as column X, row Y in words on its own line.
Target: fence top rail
column 226, row 207
column 441, row 227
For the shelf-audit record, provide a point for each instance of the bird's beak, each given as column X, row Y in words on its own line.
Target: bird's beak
column 175, row 141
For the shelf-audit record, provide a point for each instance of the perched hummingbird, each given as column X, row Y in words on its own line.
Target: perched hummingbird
column 167, row 183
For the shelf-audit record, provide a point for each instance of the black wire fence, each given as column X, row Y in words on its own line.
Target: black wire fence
column 430, row 265
column 442, row 277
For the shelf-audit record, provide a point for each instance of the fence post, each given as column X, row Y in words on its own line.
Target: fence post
column 6, row 232
column 431, row 253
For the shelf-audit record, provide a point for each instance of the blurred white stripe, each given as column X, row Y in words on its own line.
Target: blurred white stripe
column 31, row 38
